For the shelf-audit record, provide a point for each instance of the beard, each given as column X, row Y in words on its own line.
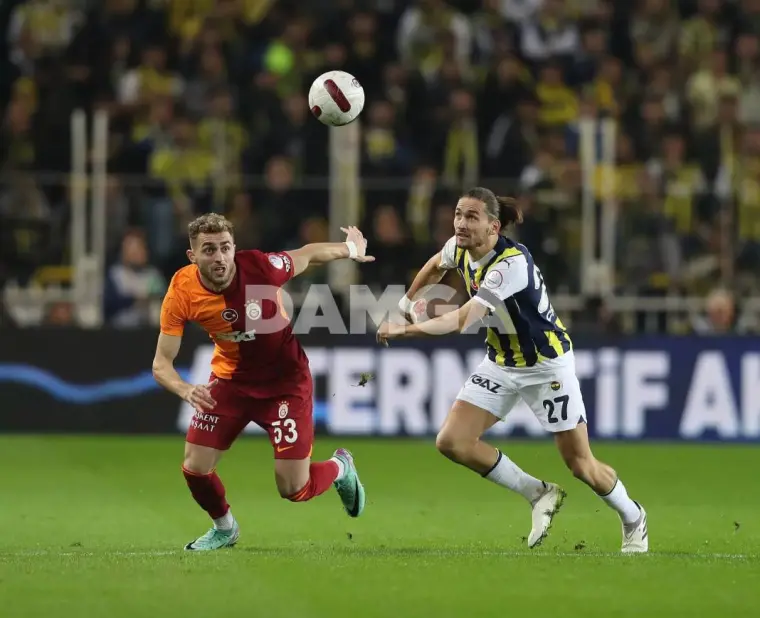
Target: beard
column 470, row 241
column 218, row 275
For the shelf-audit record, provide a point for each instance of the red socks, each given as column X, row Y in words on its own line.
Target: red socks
column 321, row 476
column 208, row 491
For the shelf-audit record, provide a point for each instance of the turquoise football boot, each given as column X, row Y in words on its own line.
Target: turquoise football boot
column 350, row 488
column 215, row 539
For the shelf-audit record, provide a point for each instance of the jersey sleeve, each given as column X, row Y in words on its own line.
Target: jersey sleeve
column 277, row 267
column 503, row 279
column 174, row 314
column 449, row 254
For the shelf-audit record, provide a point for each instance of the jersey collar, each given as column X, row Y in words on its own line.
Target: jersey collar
column 482, row 261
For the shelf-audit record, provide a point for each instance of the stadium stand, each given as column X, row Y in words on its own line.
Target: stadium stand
column 208, row 112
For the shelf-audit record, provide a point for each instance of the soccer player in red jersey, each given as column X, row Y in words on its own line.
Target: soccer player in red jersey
column 260, row 376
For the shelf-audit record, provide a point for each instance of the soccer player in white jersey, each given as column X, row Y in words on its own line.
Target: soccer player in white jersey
column 529, row 357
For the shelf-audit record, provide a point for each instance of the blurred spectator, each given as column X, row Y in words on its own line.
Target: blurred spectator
column 518, row 11
column 708, row 85
column 30, row 234
column 422, row 26
column 558, row 102
column 311, row 230
column 549, row 33
column 649, row 253
column 747, row 52
column 210, row 83
column 118, row 215
column 47, row 26
column 185, row 169
column 247, row 224
column 390, row 246
column 596, row 320
column 655, row 23
column 507, row 83
column 225, row 139
column 60, row 315
column 511, row 141
column 701, row 34
column 132, row 285
column 384, row 153
column 150, row 78
column 720, row 315
column 281, row 205
column 18, row 142
column 297, row 137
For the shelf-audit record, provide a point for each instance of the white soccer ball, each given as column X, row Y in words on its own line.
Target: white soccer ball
column 336, row 98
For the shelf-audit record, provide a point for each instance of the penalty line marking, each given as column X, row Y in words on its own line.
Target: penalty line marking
column 370, row 553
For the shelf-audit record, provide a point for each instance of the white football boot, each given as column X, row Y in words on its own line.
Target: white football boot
column 544, row 510
column 636, row 535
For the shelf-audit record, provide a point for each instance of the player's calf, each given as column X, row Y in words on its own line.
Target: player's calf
column 300, row 480
column 207, row 489
column 459, row 449
column 459, row 437
column 459, row 440
column 291, row 476
column 576, row 453
column 597, row 475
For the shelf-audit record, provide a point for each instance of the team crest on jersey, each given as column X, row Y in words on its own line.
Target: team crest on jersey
column 230, row 315
column 555, row 386
column 494, row 279
column 283, row 410
column 280, row 262
column 253, row 310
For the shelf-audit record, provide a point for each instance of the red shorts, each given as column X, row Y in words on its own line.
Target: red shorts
column 288, row 419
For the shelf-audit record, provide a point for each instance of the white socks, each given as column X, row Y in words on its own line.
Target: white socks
column 507, row 474
column 341, row 468
column 225, row 522
column 618, row 499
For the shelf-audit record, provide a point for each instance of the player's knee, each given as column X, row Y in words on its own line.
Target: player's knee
column 290, row 486
column 188, row 465
column 290, row 490
column 197, row 465
column 452, row 446
column 582, row 467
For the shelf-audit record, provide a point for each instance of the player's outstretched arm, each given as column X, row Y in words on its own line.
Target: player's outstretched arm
column 430, row 274
column 166, row 375
column 503, row 280
column 452, row 322
column 355, row 248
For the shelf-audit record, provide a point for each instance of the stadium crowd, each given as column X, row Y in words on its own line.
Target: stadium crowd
column 208, row 112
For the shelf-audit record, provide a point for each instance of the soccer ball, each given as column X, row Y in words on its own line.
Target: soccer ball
column 336, row 98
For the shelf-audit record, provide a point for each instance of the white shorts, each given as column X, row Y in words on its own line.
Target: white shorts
column 551, row 389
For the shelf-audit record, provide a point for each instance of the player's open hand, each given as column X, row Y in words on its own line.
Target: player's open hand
column 388, row 331
column 354, row 235
column 200, row 397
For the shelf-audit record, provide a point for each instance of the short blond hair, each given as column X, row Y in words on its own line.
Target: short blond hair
column 211, row 223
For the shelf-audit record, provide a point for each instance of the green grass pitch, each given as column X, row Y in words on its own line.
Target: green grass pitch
column 93, row 527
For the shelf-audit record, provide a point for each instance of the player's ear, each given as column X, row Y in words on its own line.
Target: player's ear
column 191, row 256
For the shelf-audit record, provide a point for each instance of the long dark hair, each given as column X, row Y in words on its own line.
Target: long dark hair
column 505, row 209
